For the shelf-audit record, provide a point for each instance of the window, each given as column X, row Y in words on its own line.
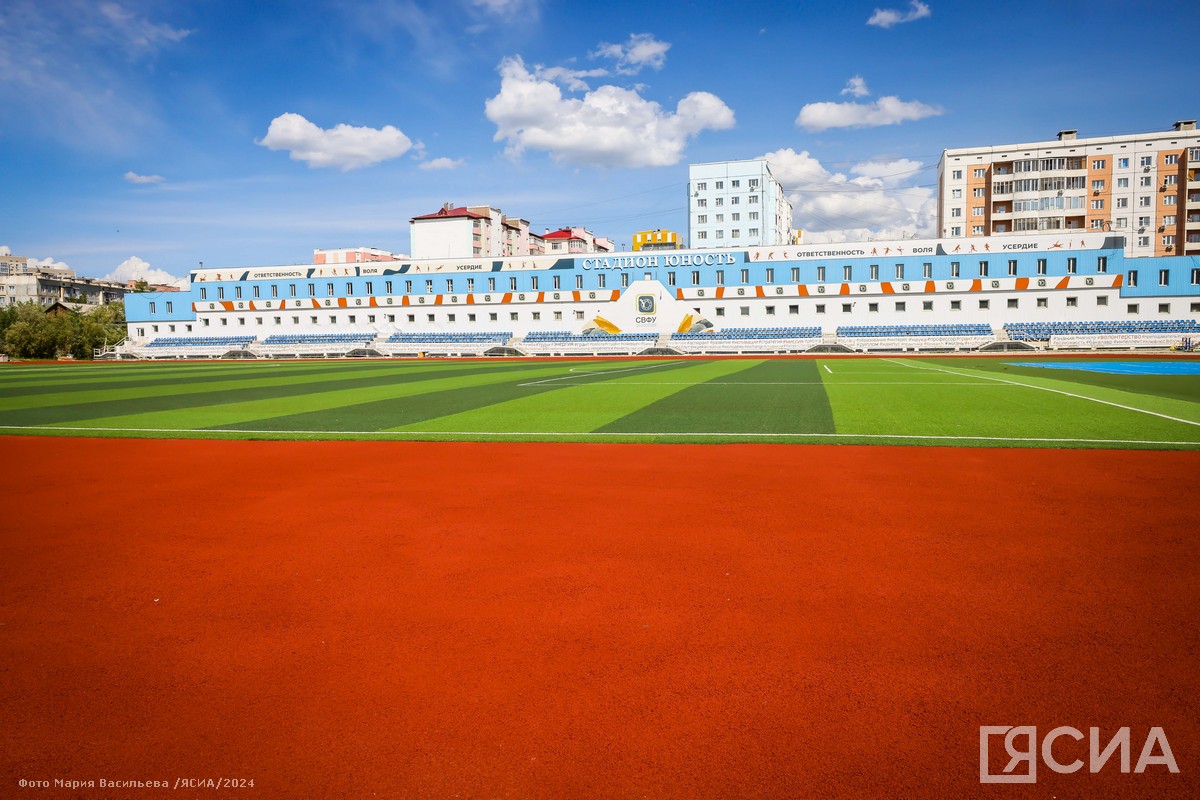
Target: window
column 984, row 305
column 795, row 274
column 821, row 274
column 491, row 284
column 1122, row 183
column 1171, row 158
column 558, row 315
column 1012, row 302
column 976, row 211
column 770, row 311
column 977, row 192
column 983, row 269
column 720, row 277
column 873, row 307
column 204, row 293
column 701, row 203
column 753, row 232
column 220, row 292
column 956, row 194
column 624, row 279
column 1164, row 308
column 601, row 280
column 770, row 274
column 820, row 308
column 1097, row 205
column 1041, row 266
column 1169, row 200
column 954, row 269
column 847, row 273
column 793, row 310
column 1145, row 180
column 1195, row 277
column 152, row 311
column 695, row 278
column 1131, row 278
column 1099, row 163
column 1171, row 180
column 512, row 315
column 721, row 311
column 349, row 289
column 1143, row 241
column 670, row 279
column 956, row 175
column 701, row 218
column 927, row 270
column 977, row 230
column 720, row 184
column 1071, row 266
column 387, row 287
column 901, row 306
column 874, row 272
column 1097, row 185
column 1042, row 302
column 753, row 198
column 847, row 308
column 408, row 287
column 956, row 230
column 470, row 285
column 1132, row 308
column 329, row 289
column 1012, row 267
column 956, row 212
column 720, row 201
column 256, row 292
column 956, row 305
column 701, row 234
column 512, row 283
column 1102, row 300
column 700, row 187
column 979, row 173
column 745, row 276
column 734, row 184
column 1164, row 277
column 170, row 307
column 1072, row 302
column 1144, row 202
column 927, row 305
column 1122, row 202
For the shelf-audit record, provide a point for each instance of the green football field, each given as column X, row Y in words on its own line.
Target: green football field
column 1012, row 401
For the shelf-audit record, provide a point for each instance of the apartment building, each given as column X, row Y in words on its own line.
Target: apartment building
column 736, row 204
column 354, row 255
column 1144, row 187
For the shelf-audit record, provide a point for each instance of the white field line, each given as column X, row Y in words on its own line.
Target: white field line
column 575, row 373
column 827, row 369
column 690, row 434
column 1048, row 389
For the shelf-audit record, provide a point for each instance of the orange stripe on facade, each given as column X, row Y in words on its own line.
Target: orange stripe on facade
column 1064, row 283
column 977, row 285
column 758, row 292
column 470, row 299
column 845, row 289
column 887, row 288
column 507, row 297
column 720, row 292
column 1118, row 281
column 576, row 296
column 930, row 287
column 341, row 302
column 678, row 294
column 373, row 304
column 437, row 301
column 803, row 290
column 404, row 300
column 616, row 295
column 541, row 297
column 1022, row 283
column 227, row 305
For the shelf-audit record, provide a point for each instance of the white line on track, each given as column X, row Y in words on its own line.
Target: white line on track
column 576, row 374
column 1047, row 389
column 584, row 434
column 701, row 384
column 827, row 369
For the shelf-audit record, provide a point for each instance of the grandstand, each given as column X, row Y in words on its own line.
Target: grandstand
column 899, row 338
column 544, row 343
column 747, row 340
column 1111, row 334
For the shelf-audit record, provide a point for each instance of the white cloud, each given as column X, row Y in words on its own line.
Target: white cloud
column 570, row 78
column 835, row 207
column 138, row 32
column 134, row 269
column 133, row 177
column 642, row 50
column 443, row 163
column 342, row 146
column 889, row 110
column 856, row 87
column 503, row 8
column 607, row 127
column 5, row 251
column 47, row 263
column 887, row 17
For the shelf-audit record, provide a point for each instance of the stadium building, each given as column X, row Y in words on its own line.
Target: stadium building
column 1055, row 289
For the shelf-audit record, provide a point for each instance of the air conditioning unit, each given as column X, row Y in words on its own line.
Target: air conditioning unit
column 1162, row 228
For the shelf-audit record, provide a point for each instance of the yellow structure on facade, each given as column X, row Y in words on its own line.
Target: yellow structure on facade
column 658, row 239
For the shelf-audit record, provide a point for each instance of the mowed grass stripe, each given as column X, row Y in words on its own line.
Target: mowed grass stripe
column 1178, row 387
column 183, row 405
column 98, row 378
column 387, row 406
column 776, row 396
column 993, row 409
column 581, row 403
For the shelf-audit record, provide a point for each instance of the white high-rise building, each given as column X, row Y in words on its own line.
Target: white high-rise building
column 1144, row 186
column 736, row 204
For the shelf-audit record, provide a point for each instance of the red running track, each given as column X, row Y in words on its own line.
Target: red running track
column 343, row 620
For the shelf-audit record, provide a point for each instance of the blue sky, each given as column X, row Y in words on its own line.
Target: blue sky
column 146, row 137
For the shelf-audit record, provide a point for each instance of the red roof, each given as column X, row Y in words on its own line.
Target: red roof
column 563, row 234
column 461, row 211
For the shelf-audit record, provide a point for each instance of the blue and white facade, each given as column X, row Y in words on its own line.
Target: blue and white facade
column 991, row 281
column 736, row 204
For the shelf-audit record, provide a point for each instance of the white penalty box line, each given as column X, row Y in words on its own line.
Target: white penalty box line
column 1046, row 389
